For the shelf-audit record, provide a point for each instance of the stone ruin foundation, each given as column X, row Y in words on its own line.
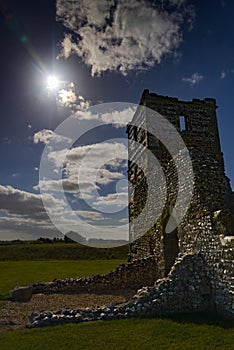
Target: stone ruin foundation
column 187, row 270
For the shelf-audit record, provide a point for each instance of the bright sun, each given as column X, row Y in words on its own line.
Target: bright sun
column 52, row 82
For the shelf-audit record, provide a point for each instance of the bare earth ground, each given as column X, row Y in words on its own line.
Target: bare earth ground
column 16, row 315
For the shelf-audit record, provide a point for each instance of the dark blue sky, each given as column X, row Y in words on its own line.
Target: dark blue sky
column 201, row 66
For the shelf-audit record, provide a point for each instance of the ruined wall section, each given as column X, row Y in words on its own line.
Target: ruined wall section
column 209, row 218
column 201, row 137
column 208, row 197
column 218, row 255
column 206, row 229
column 220, row 260
column 142, row 247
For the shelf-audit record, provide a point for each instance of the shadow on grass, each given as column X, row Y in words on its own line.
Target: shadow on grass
column 201, row 318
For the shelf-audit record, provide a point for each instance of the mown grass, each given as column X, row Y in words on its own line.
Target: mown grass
column 20, row 273
column 144, row 334
column 59, row 251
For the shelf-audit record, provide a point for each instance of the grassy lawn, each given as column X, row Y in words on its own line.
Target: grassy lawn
column 13, row 273
column 184, row 332
column 144, row 334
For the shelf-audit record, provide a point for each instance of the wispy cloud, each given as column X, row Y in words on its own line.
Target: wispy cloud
column 195, row 78
column 14, row 227
column 6, row 141
column 122, row 117
column 122, row 35
column 90, row 173
column 117, row 200
column 88, row 159
column 223, row 75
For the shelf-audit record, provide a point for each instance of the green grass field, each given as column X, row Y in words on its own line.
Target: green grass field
column 20, row 273
column 133, row 334
column 184, row 332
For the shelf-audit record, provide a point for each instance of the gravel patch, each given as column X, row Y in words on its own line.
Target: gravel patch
column 16, row 314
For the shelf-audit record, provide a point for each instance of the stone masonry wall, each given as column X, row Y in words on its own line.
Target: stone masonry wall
column 186, row 289
column 132, row 275
column 211, row 210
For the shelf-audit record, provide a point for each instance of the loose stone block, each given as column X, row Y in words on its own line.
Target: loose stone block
column 21, row 294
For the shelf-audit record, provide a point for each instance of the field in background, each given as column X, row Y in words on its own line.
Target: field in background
column 59, row 251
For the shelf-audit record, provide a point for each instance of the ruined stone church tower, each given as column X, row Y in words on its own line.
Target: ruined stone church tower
column 208, row 226
column 189, row 268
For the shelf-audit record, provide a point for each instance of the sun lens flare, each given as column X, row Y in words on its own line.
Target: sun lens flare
column 52, row 82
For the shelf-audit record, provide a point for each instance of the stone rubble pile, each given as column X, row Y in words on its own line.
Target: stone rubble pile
column 187, row 288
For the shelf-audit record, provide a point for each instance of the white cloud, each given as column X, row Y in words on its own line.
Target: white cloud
column 24, row 217
column 42, row 136
column 45, row 135
column 122, row 35
column 87, row 168
column 122, row 117
column 113, row 202
column 104, row 150
column 68, row 185
column 28, row 205
column 193, row 79
column 25, row 229
column 67, row 98
column 91, row 216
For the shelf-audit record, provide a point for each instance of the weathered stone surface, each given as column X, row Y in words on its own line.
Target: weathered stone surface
column 21, row 294
column 187, row 288
column 133, row 275
column 211, row 212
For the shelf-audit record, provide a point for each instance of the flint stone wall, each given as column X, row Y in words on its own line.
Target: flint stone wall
column 186, row 289
column 132, row 275
column 210, row 215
